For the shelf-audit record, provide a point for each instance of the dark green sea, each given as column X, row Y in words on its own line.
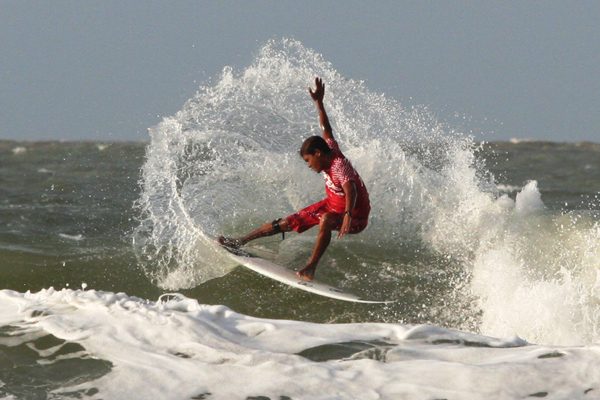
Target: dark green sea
column 68, row 212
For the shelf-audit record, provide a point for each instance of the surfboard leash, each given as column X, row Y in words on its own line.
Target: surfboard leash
column 277, row 228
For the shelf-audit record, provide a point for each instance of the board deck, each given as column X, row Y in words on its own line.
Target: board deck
column 279, row 273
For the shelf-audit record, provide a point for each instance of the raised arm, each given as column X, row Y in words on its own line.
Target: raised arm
column 317, row 96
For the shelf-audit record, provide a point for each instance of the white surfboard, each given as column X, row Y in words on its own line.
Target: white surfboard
column 279, row 273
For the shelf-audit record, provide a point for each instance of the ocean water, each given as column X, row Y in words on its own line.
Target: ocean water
column 491, row 251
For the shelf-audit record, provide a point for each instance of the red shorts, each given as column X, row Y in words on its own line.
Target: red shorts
column 311, row 216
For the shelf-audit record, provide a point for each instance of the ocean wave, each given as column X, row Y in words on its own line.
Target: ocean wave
column 177, row 348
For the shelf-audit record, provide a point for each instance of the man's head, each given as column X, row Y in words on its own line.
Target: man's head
column 315, row 152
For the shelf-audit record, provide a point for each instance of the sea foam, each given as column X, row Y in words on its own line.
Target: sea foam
column 178, row 349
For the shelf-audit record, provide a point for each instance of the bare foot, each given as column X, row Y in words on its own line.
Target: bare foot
column 307, row 273
column 230, row 242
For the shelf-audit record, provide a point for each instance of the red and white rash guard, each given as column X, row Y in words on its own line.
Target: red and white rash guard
column 340, row 172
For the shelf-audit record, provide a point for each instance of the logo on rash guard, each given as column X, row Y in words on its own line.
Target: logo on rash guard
column 338, row 191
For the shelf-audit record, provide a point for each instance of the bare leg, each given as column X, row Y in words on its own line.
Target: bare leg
column 262, row 231
column 328, row 222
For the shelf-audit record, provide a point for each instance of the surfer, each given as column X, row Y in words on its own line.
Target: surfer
column 346, row 207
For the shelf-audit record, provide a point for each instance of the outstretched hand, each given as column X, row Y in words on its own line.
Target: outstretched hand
column 319, row 92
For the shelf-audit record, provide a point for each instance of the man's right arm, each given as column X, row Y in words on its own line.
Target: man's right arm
column 317, row 96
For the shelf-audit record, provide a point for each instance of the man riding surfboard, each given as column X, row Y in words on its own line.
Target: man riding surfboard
column 345, row 208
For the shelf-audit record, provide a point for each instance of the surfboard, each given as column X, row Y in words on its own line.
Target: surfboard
column 281, row 274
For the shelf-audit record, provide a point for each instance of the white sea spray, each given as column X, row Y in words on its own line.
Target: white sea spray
column 228, row 161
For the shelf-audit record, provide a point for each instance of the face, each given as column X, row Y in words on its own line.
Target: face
column 314, row 161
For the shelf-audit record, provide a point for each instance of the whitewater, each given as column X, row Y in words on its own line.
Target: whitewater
column 177, row 348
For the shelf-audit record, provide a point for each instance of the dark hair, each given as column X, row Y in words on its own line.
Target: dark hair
column 312, row 144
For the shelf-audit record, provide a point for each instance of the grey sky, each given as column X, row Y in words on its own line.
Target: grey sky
column 108, row 70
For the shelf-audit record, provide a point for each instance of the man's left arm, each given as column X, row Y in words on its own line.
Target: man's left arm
column 349, row 189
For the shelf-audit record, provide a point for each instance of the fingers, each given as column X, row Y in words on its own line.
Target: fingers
column 319, row 92
column 343, row 230
column 319, row 84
